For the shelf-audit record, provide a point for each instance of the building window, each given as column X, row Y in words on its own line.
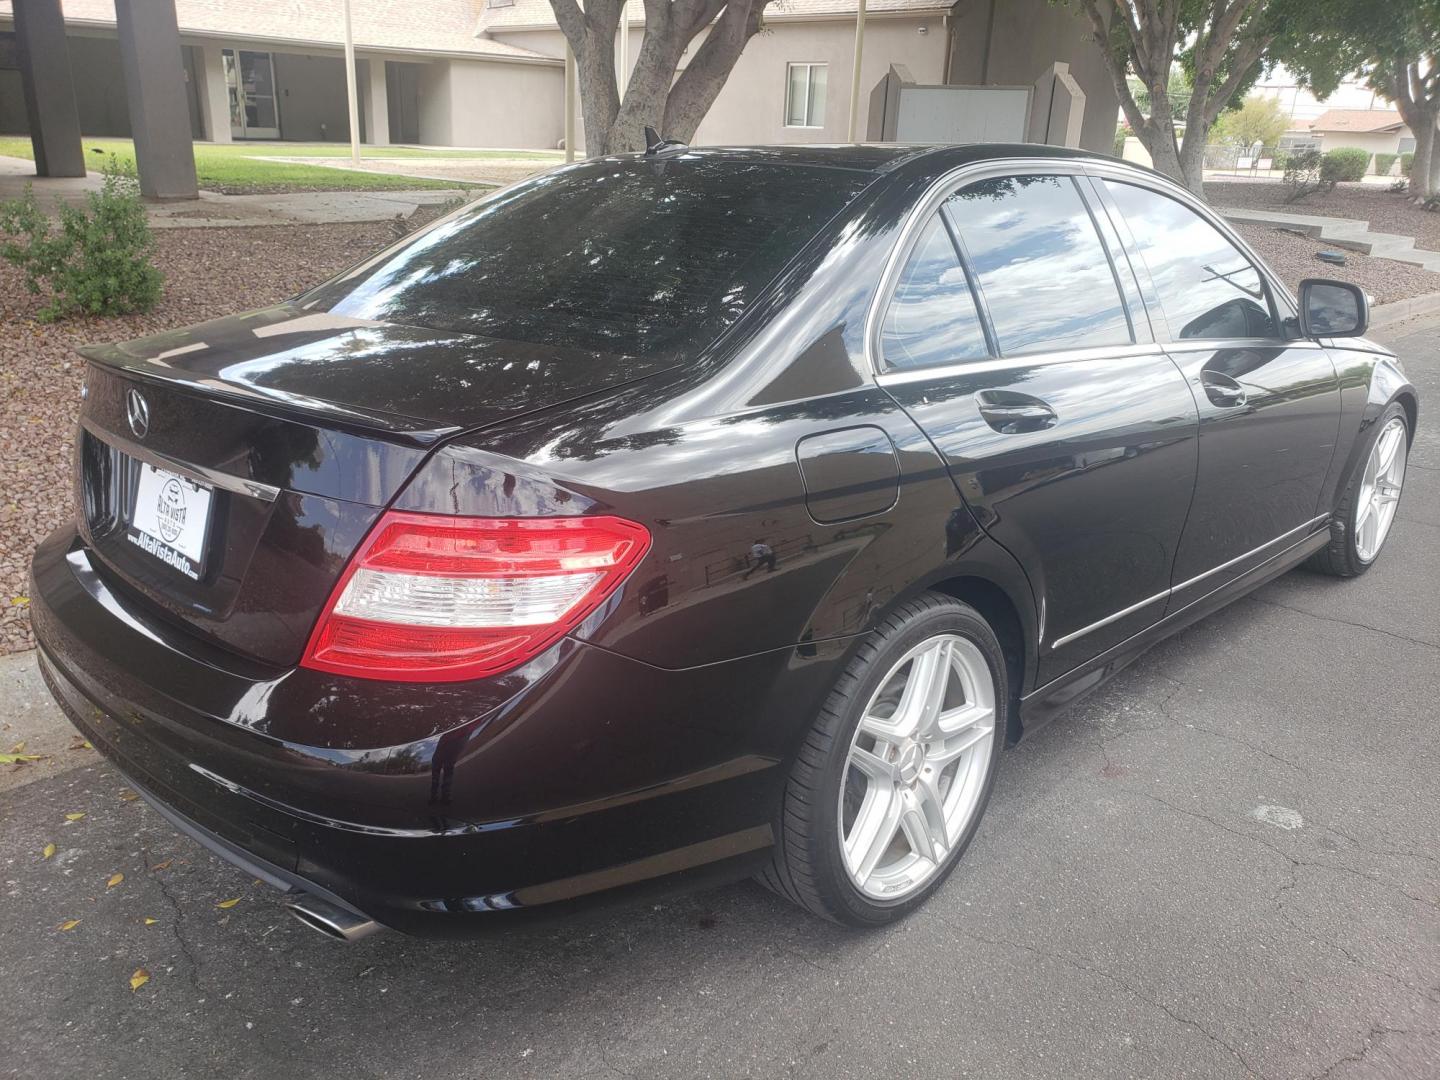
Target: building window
column 805, row 95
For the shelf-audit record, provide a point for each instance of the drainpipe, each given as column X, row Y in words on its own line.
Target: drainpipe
column 350, row 89
column 569, row 103
column 623, row 64
column 855, row 75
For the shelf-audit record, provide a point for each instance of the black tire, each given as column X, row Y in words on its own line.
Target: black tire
column 807, row 867
column 1341, row 557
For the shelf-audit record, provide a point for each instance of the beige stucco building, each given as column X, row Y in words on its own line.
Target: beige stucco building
column 490, row 73
column 1376, row 131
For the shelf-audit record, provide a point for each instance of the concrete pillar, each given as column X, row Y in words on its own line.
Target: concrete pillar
column 213, row 94
column 377, row 104
column 49, row 91
column 155, row 89
column 1057, row 108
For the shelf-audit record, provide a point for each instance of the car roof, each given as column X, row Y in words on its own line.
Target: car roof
column 881, row 157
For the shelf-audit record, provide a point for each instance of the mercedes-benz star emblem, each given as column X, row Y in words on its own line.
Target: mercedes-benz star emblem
column 137, row 411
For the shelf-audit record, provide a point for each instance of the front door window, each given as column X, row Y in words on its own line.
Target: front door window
column 250, row 80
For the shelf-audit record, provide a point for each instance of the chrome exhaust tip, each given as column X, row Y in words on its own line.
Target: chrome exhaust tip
column 330, row 919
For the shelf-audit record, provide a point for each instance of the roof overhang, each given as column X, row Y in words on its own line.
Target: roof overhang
column 313, row 46
column 769, row 18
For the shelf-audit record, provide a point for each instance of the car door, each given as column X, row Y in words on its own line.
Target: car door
column 1015, row 341
column 1268, row 401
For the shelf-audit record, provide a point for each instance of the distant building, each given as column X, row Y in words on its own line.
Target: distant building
column 1377, row 131
column 491, row 72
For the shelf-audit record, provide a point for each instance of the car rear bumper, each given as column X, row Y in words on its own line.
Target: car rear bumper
column 439, row 835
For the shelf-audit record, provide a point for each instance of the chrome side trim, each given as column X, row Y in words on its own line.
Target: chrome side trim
column 213, row 477
column 1115, row 617
column 1309, row 525
column 1109, row 619
column 1009, row 363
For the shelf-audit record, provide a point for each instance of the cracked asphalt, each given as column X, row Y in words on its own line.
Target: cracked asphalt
column 1224, row 864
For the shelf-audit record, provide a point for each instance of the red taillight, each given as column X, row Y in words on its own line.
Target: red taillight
column 429, row 598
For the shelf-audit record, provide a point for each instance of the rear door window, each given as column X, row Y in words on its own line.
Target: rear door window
column 630, row 256
column 1041, row 268
column 1207, row 288
column 931, row 319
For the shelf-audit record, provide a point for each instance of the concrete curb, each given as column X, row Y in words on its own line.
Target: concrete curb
column 1342, row 232
column 1384, row 316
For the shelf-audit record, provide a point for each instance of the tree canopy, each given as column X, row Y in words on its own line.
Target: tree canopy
column 1220, row 45
column 1396, row 49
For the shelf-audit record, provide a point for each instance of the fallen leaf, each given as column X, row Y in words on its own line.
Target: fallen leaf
column 20, row 601
column 228, row 903
column 18, row 759
column 68, row 924
column 48, row 852
column 139, row 979
column 149, row 921
column 18, row 748
column 75, row 817
column 162, row 865
column 128, row 795
column 115, row 879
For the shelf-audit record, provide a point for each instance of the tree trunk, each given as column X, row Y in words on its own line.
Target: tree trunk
column 699, row 84
column 1420, row 116
column 1423, row 167
column 1434, row 179
column 1164, row 154
column 654, row 97
column 1192, row 159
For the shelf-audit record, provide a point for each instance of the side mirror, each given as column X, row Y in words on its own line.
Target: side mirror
column 1332, row 308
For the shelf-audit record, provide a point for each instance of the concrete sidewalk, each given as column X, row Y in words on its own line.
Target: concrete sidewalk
column 1350, row 233
column 212, row 210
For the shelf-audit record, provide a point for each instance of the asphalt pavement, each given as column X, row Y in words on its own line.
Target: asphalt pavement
column 1223, row 864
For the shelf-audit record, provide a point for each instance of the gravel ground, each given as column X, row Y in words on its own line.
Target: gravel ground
column 208, row 273
column 1293, row 258
column 1386, row 211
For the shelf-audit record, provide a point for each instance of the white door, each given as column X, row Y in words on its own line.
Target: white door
column 250, row 78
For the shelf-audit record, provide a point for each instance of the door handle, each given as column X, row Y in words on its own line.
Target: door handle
column 1011, row 414
column 1222, row 390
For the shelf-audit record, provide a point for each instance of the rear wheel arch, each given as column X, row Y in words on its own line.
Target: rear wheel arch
column 1001, row 612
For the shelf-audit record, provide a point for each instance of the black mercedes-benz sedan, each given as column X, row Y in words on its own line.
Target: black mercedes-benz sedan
column 671, row 518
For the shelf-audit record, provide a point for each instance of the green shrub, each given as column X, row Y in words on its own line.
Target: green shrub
column 1304, row 175
column 1406, row 160
column 1121, row 133
column 1384, row 162
column 1347, row 163
column 98, row 262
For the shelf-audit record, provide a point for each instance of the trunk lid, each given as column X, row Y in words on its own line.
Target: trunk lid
column 282, row 434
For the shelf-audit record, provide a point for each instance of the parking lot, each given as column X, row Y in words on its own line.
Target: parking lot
column 1224, row 864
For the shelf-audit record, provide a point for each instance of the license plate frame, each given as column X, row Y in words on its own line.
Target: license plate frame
column 170, row 517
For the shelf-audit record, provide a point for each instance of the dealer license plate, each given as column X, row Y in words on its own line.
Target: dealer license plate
column 171, row 519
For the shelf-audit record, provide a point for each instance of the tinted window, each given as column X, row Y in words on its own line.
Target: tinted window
column 633, row 256
column 931, row 318
column 1206, row 287
column 1040, row 265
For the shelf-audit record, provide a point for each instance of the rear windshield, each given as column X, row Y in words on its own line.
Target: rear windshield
column 632, row 256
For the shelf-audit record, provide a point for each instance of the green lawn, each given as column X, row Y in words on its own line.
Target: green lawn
column 233, row 168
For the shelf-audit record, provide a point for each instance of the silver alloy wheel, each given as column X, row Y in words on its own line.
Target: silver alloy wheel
column 917, row 766
column 1380, row 490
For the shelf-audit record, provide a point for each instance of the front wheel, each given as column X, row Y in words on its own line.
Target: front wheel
column 1366, row 513
column 890, row 785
